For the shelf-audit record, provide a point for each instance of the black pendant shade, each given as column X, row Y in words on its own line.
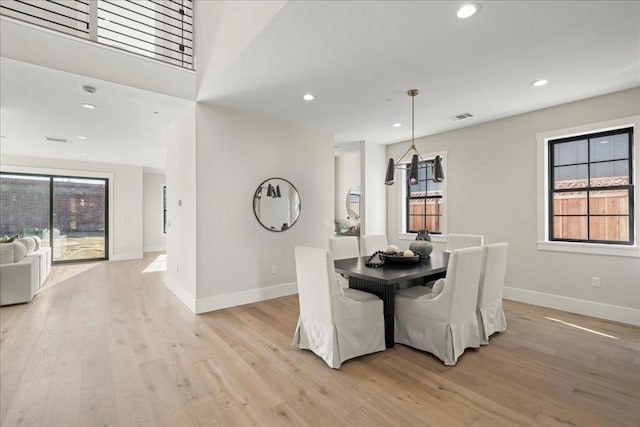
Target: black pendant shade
column 412, row 176
column 389, row 180
column 270, row 191
column 438, row 171
column 413, row 170
column 278, row 194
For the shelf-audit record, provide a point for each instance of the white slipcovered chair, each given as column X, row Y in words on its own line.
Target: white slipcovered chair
column 342, row 248
column 461, row 241
column 373, row 243
column 490, row 312
column 336, row 324
column 444, row 324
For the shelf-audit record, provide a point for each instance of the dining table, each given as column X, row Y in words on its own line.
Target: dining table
column 384, row 280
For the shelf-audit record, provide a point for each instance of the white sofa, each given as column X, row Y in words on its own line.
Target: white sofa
column 24, row 267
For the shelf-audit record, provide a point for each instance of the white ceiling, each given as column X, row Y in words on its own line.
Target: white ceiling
column 357, row 57
column 38, row 102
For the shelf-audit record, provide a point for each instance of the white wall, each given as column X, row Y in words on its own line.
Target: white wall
column 154, row 237
column 180, row 277
column 374, row 161
column 492, row 190
column 347, row 167
column 235, row 153
column 125, row 194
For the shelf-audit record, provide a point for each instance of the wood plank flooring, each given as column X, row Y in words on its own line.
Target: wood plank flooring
column 105, row 345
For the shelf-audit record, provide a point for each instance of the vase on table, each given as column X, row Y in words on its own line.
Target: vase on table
column 422, row 245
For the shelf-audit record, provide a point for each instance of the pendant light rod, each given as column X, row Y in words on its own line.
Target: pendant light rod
column 412, row 93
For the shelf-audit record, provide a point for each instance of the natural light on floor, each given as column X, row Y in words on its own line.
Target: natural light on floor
column 158, row 264
column 581, row 328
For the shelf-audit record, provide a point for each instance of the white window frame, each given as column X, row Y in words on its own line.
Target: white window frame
column 543, row 138
column 402, row 205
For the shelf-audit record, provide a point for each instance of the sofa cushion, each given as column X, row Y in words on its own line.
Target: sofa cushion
column 6, row 253
column 19, row 250
column 38, row 241
column 28, row 243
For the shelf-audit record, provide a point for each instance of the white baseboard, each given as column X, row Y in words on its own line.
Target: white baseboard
column 125, row 256
column 218, row 302
column 155, row 248
column 180, row 293
column 574, row 305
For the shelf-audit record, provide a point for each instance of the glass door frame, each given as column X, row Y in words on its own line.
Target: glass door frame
column 51, row 178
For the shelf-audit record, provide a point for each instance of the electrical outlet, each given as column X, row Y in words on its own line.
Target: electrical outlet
column 274, row 269
column 595, row 282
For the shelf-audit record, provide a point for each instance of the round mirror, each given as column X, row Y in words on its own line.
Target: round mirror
column 353, row 202
column 276, row 204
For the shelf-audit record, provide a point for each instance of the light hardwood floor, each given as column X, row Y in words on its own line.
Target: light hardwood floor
column 105, row 344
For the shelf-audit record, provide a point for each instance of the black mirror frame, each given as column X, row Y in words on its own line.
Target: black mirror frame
column 258, row 196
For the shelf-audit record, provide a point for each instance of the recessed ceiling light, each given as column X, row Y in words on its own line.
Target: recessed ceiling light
column 308, row 97
column 89, row 89
column 604, row 142
column 84, row 154
column 467, row 10
column 89, row 106
column 539, row 83
column 82, row 137
column 396, row 125
column 3, row 137
column 156, row 112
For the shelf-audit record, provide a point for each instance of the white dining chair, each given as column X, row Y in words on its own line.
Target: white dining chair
column 336, row 324
column 373, row 243
column 444, row 324
column 461, row 241
column 490, row 312
column 344, row 247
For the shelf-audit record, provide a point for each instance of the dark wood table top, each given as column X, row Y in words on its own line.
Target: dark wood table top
column 392, row 273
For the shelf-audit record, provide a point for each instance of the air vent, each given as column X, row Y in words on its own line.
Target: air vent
column 461, row 116
column 52, row 139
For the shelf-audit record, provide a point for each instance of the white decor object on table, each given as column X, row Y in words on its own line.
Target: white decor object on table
column 490, row 312
column 336, row 324
column 461, row 241
column 446, row 324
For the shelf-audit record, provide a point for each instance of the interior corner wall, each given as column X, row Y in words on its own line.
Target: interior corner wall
column 236, row 152
column 374, row 193
column 180, row 277
column 155, row 239
column 492, row 190
column 125, row 194
column 347, row 167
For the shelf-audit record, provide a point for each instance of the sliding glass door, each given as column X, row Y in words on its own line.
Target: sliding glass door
column 79, row 218
column 70, row 214
column 25, row 205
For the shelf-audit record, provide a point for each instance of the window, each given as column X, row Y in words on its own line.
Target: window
column 424, row 202
column 69, row 214
column 164, row 209
column 590, row 193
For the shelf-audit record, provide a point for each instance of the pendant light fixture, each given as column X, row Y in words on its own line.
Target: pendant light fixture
column 438, row 172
